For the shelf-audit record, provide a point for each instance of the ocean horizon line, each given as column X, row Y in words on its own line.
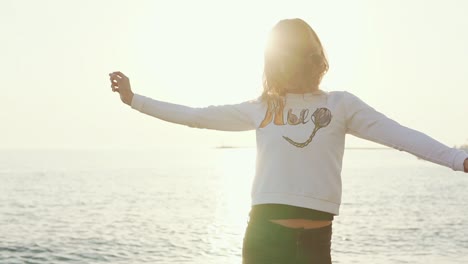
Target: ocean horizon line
column 154, row 148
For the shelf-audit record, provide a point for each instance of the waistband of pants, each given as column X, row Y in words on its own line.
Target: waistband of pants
column 283, row 230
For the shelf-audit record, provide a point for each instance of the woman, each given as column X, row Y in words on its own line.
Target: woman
column 300, row 133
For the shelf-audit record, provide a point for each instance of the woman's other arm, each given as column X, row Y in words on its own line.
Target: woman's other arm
column 365, row 122
column 236, row 117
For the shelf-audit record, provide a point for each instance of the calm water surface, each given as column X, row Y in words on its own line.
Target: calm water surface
column 191, row 206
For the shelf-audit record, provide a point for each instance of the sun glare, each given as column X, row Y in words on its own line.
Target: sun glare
column 199, row 62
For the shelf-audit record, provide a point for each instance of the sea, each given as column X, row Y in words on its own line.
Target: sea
column 190, row 205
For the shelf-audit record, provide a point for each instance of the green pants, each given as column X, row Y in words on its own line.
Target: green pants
column 269, row 243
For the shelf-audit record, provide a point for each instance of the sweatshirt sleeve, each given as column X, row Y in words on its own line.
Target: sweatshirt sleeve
column 365, row 122
column 235, row 117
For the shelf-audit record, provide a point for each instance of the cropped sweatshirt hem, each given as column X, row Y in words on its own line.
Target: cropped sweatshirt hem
column 297, row 200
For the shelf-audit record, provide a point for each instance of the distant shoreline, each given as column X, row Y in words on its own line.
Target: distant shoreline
column 39, row 149
column 361, row 148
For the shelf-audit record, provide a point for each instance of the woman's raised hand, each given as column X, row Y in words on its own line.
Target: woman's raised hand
column 121, row 84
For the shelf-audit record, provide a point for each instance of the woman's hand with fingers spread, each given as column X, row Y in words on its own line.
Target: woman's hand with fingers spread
column 121, row 84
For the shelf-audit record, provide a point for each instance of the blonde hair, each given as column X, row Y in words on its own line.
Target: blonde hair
column 294, row 60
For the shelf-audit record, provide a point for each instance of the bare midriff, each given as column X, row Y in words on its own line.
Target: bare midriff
column 302, row 223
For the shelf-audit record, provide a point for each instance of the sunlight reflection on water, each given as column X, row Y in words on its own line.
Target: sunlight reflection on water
column 176, row 206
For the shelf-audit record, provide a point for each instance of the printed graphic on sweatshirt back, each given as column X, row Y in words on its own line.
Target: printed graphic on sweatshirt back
column 321, row 117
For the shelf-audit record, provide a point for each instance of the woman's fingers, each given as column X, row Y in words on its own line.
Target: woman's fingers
column 118, row 74
column 114, row 84
column 114, row 88
column 116, row 78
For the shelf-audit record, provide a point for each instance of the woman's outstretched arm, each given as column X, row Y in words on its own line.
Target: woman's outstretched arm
column 235, row 117
column 365, row 122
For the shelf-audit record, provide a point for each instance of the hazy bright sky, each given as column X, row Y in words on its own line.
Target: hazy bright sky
column 406, row 58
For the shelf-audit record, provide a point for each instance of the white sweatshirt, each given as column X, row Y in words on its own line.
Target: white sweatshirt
column 300, row 144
